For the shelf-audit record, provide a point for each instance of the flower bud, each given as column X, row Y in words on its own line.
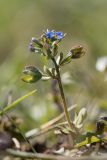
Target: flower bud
column 31, row 74
column 35, row 45
column 31, row 47
column 36, row 42
column 77, row 52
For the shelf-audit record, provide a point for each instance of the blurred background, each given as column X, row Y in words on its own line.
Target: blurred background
column 85, row 24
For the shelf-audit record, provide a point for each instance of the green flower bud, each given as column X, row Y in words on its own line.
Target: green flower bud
column 37, row 42
column 77, row 52
column 31, row 74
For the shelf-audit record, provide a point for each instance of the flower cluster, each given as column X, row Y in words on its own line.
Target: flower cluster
column 53, row 35
column 47, row 45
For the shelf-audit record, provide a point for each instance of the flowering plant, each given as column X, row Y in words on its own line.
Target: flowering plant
column 47, row 45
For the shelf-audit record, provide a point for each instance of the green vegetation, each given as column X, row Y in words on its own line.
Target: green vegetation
column 84, row 82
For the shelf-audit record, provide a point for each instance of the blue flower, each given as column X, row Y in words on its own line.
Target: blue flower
column 50, row 34
column 60, row 35
column 53, row 35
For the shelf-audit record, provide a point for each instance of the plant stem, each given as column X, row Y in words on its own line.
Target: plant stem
column 62, row 93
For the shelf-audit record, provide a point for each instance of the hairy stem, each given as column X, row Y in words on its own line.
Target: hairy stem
column 62, row 93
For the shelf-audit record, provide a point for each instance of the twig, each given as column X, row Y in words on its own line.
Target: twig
column 44, row 128
column 41, row 132
column 30, row 155
column 58, row 118
column 26, row 155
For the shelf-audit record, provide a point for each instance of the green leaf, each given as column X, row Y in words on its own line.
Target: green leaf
column 88, row 140
column 31, row 74
column 66, row 60
column 64, row 129
column 37, row 42
column 13, row 105
column 28, row 79
column 78, row 121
